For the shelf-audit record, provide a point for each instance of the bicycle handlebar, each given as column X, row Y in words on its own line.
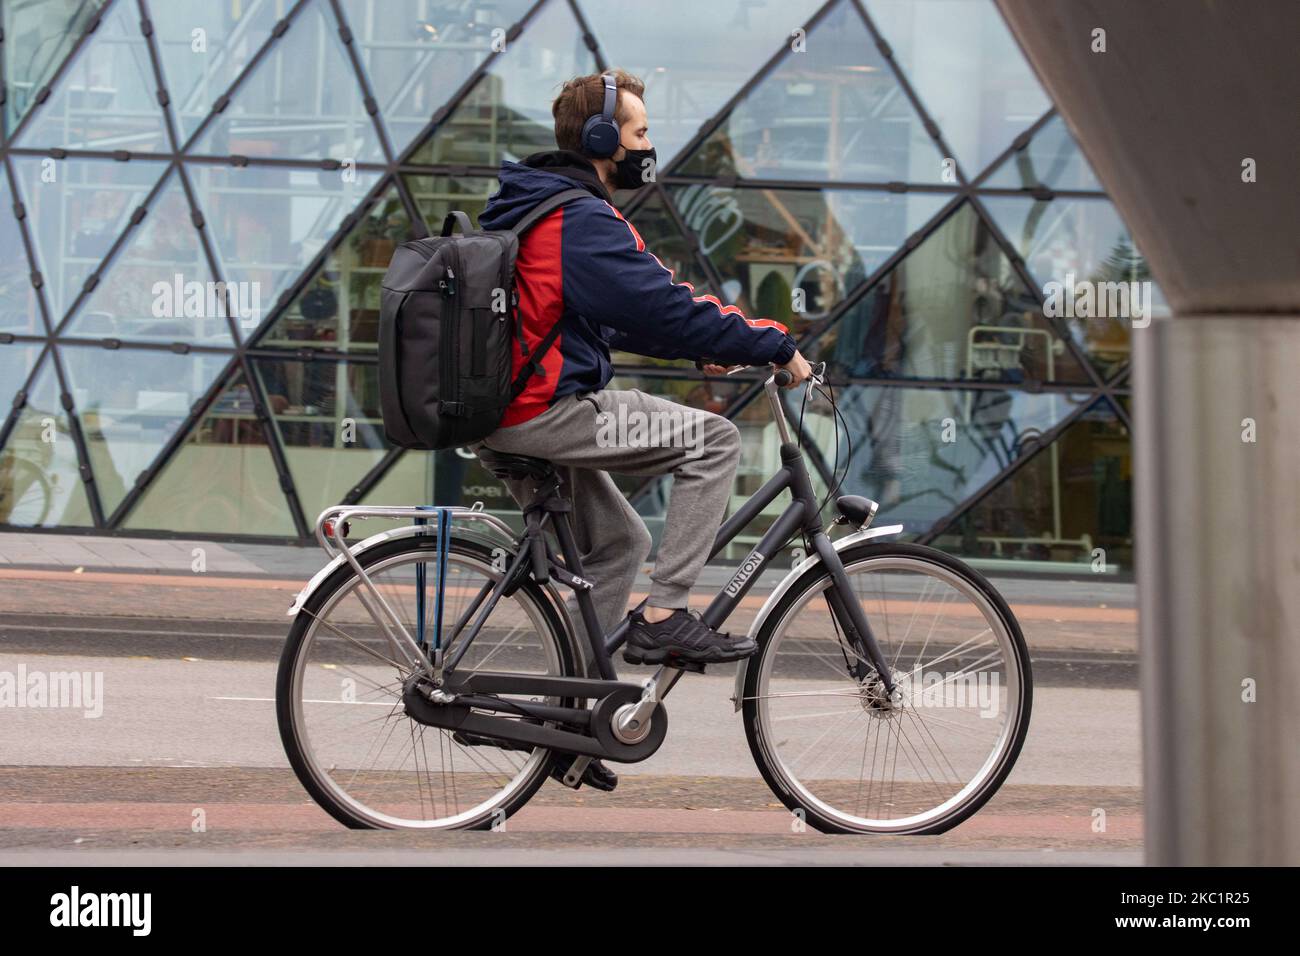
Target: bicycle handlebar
column 782, row 377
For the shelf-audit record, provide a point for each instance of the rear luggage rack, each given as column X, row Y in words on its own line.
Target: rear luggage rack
column 331, row 533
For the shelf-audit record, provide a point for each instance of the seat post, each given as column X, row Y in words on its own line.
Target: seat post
column 545, row 490
column 559, row 507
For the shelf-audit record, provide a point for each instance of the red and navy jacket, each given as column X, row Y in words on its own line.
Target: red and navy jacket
column 585, row 267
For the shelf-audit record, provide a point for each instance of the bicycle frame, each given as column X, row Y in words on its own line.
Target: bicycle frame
column 800, row 516
column 533, row 555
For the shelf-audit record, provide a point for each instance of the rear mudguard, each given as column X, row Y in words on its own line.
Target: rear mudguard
column 787, row 582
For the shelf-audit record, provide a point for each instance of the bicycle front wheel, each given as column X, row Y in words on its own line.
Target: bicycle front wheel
column 850, row 758
column 339, row 693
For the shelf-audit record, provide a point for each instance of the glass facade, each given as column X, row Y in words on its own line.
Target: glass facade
column 199, row 201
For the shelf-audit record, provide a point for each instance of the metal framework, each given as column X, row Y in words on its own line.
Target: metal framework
column 391, row 177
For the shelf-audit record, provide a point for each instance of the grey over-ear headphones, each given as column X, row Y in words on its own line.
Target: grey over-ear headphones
column 600, row 133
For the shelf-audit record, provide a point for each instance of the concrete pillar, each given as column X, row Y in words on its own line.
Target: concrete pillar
column 1217, row 468
column 1168, row 115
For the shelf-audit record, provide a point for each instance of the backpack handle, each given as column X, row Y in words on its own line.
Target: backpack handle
column 452, row 219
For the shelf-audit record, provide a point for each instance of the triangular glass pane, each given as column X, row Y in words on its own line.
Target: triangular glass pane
column 268, row 222
column 435, row 196
column 1077, row 248
column 131, row 402
column 158, row 286
column 302, row 100
column 327, row 414
column 920, row 452
column 967, row 71
column 76, row 208
column 952, row 309
column 793, row 255
column 1072, row 503
column 688, row 74
column 507, row 114
column 1051, row 159
column 204, row 46
column 408, row 481
column 46, row 32
column 221, row 479
column 20, row 310
column 16, row 361
column 833, row 112
column 339, row 306
column 40, row 477
column 417, row 53
column 107, row 97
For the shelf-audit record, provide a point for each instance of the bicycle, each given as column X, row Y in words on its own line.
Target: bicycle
column 389, row 650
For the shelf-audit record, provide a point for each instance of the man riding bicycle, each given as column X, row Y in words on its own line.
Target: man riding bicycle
column 585, row 268
column 502, row 685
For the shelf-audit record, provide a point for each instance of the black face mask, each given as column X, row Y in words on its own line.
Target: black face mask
column 636, row 169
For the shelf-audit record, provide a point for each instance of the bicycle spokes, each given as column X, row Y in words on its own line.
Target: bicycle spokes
column 361, row 745
column 869, row 756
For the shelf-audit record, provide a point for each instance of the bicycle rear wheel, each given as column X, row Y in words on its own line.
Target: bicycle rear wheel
column 339, row 694
column 851, row 759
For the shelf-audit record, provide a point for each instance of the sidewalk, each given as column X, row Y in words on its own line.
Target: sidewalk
column 168, row 556
column 147, row 581
column 157, row 555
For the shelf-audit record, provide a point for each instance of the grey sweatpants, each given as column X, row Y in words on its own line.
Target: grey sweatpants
column 632, row 433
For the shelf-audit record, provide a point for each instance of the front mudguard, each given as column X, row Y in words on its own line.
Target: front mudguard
column 787, row 582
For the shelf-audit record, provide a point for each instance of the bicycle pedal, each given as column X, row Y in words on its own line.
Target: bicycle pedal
column 689, row 667
column 572, row 776
column 586, row 770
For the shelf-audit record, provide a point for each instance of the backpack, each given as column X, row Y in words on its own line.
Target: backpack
column 448, row 321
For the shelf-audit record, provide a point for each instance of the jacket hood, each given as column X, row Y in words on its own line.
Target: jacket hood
column 524, row 185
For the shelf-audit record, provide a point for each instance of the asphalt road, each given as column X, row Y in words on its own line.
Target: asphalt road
column 188, row 733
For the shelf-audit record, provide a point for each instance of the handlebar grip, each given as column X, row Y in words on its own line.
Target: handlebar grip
column 783, row 378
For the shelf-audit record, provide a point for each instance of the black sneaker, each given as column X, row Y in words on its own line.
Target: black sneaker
column 682, row 636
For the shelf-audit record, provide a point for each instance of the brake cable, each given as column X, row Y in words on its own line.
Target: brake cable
column 815, row 382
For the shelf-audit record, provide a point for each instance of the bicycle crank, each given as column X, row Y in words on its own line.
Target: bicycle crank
column 628, row 740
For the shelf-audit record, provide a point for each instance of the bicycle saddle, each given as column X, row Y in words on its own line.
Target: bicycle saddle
column 505, row 465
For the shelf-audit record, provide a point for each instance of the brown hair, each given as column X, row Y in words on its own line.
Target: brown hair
column 583, row 97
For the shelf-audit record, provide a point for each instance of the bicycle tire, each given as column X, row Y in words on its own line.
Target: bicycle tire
column 340, row 579
column 814, row 578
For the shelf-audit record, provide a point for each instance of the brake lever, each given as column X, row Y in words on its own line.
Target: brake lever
column 818, row 376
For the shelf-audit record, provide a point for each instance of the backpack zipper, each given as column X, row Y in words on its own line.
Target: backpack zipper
column 451, row 329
